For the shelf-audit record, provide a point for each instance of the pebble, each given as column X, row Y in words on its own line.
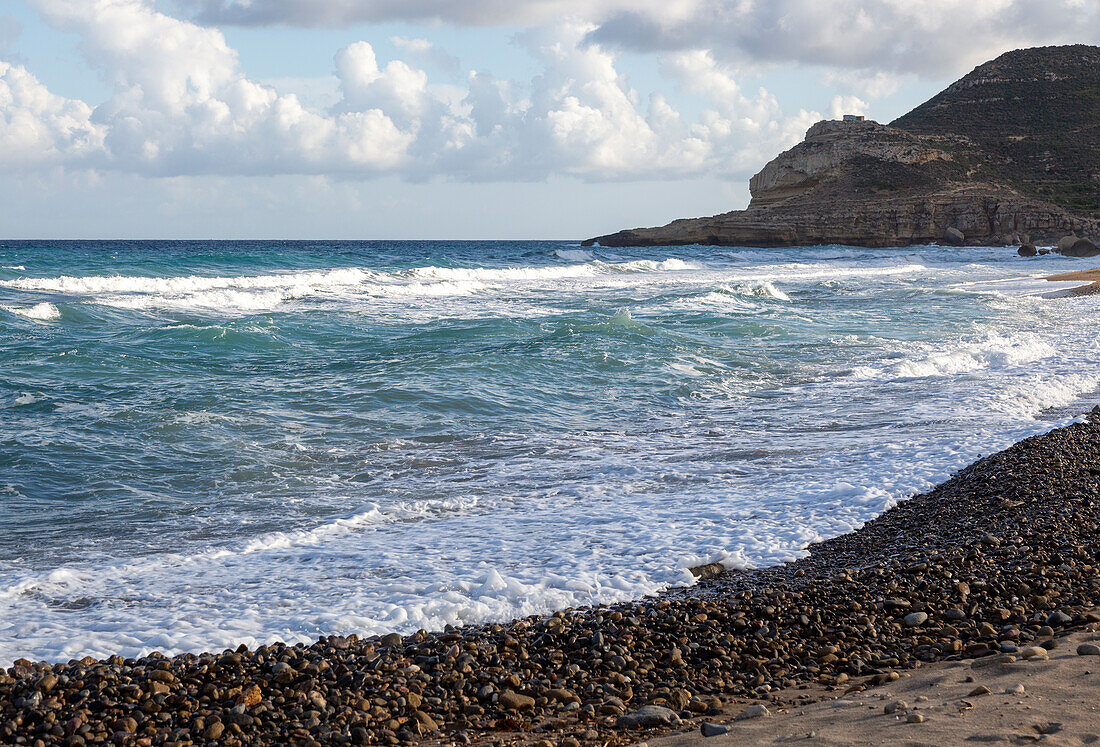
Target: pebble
column 648, row 716
column 838, row 618
column 754, row 711
column 914, row 619
column 1058, row 619
column 516, row 701
column 895, row 707
column 915, row 718
column 1088, row 649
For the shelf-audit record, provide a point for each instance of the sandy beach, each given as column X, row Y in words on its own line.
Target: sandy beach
column 994, row 562
column 1089, row 278
column 1049, row 697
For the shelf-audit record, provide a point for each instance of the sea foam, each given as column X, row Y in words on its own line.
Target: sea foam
column 387, row 447
column 42, row 312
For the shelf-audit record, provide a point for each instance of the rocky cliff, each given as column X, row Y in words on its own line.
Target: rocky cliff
column 1010, row 153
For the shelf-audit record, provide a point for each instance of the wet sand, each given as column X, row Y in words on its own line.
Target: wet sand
column 1090, row 278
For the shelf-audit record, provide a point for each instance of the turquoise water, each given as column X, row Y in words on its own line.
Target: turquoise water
column 203, row 444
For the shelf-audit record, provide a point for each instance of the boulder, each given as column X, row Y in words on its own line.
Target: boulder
column 1065, row 243
column 1027, row 250
column 954, row 236
column 1081, row 248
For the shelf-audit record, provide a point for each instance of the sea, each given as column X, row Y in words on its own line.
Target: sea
column 204, row 444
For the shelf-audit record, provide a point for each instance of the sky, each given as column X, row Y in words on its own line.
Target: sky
column 450, row 119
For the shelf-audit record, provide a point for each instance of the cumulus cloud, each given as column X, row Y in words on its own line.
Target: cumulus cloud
column 841, row 105
column 181, row 106
column 40, row 128
column 426, row 53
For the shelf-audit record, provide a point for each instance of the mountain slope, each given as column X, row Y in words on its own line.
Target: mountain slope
column 1010, row 152
column 1034, row 115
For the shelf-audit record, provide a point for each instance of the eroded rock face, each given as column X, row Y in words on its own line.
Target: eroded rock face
column 829, row 144
column 933, row 176
column 985, row 216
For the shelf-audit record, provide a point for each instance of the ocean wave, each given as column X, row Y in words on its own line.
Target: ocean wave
column 588, row 269
column 187, row 284
column 574, row 255
column 67, row 580
column 993, row 352
column 42, row 312
column 763, row 290
column 250, row 293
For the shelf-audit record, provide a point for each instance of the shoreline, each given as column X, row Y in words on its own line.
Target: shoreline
column 996, row 558
column 1089, row 278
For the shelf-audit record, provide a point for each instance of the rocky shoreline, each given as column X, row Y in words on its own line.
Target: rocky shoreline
column 992, row 563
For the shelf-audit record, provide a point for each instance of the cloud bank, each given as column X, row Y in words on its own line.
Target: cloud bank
column 940, row 37
column 182, row 106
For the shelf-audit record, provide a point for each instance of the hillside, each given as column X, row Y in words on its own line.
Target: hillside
column 1034, row 116
column 1009, row 153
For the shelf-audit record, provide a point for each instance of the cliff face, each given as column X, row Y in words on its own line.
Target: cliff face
column 981, row 163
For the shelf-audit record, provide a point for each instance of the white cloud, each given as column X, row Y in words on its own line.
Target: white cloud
column 841, row 105
column 935, row 37
column 182, row 106
column 38, row 128
column 426, row 53
column 867, row 83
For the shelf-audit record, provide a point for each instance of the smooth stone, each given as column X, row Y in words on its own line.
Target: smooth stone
column 648, row 716
column 895, row 707
column 708, row 729
column 1058, row 618
column 516, row 701
column 1088, row 649
column 753, row 711
column 913, row 619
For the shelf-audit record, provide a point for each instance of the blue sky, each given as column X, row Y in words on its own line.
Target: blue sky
column 449, row 118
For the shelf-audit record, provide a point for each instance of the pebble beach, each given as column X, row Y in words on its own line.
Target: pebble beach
column 991, row 565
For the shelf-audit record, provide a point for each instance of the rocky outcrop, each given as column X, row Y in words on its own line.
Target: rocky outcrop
column 982, row 215
column 933, row 176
